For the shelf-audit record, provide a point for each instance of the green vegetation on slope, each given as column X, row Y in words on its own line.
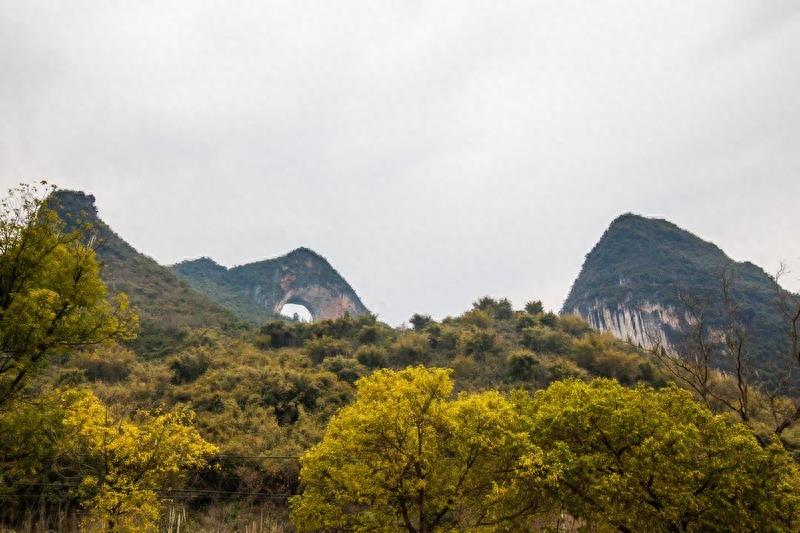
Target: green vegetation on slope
column 209, row 278
column 166, row 304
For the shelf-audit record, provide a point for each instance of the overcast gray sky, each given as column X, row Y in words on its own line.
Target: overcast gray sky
column 433, row 151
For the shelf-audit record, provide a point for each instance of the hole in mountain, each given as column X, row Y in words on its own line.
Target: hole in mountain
column 296, row 312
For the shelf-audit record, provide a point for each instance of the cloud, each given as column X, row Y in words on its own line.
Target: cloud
column 433, row 151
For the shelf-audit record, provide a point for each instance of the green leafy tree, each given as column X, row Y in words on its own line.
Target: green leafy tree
column 420, row 321
column 534, row 307
column 503, row 310
column 51, row 296
column 407, row 456
column 655, row 460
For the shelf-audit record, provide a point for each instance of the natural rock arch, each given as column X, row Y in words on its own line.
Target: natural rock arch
column 301, row 277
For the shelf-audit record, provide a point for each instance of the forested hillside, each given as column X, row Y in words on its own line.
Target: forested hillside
column 498, row 419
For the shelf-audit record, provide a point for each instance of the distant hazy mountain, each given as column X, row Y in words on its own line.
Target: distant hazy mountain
column 164, row 302
column 258, row 291
column 630, row 281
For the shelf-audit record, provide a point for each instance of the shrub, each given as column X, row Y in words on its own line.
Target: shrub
column 526, row 321
column 559, row 368
column 420, row 321
column 478, row 342
column 278, row 334
column 371, row 356
column 345, row 368
column 447, row 338
column 478, row 318
column 189, row 366
column 546, row 340
column 369, row 334
column 111, row 364
column 574, row 325
column 464, row 367
column 549, row 319
column 320, row 348
column 410, row 348
column 522, row 365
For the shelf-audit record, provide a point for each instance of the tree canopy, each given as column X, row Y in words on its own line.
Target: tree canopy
column 51, row 296
column 407, row 455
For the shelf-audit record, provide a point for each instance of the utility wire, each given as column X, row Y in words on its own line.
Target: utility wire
column 159, row 489
column 232, row 456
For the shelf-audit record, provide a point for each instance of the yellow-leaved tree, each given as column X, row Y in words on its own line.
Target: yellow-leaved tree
column 126, row 466
column 408, row 455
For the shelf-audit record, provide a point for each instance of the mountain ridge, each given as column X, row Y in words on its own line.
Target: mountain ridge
column 630, row 283
column 164, row 302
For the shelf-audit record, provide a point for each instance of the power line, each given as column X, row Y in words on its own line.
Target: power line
column 160, row 490
column 226, row 455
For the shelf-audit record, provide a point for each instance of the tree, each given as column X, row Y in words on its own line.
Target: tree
column 655, row 460
column 51, row 296
column 407, row 456
column 67, row 446
column 124, row 465
column 420, row 321
column 717, row 336
column 503, row 310
column 534, row 307
column 485, row 303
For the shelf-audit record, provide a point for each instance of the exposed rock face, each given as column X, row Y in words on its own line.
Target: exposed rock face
column 647, row 324
column 258, row 290
column 630, row 282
